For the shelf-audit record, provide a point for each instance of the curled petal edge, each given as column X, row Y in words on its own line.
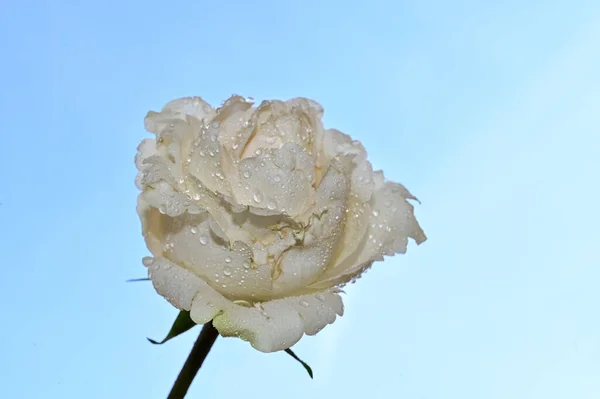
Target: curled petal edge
column 268, row 326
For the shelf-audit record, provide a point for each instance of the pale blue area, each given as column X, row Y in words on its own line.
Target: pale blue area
column 489, row 114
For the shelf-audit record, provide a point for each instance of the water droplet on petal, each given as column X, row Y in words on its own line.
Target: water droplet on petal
column 228, row 259
column 193, row 229
column 246, row 264
column 271, row 205
column 320, row 297
column 203, row 240
column 247, row 174
column 304, row 303
column 227, row 272
column 375, row 212
column 276, row 178
column 257, row 196
column 147, row 261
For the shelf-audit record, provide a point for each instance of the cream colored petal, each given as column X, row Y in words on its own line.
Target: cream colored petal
column 233, row 117
column 153, row 170
column 207, row 304
column 145, row 149
column 189, row 106
column 278, row 123
column 318, row 310
column 169, row 201
column 204, row 159
column 190, row 241
column 268, row 326
column 303, row 264
column 336, row 143
column 277, row 325
column 391, row 223
column 174, row 283
column 277, row 181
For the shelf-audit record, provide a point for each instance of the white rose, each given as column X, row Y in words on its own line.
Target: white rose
column 256, row 216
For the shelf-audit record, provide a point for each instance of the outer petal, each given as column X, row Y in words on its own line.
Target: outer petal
column 190, row 241
column 168, row 200
column 279, row 324
column 391, row 223
column 178, row 110
column 176, row 284
column 145, row 149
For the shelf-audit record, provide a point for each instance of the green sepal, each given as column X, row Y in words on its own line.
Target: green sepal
column 306, row 366
column 182, row 323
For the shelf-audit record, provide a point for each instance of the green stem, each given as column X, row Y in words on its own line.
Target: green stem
column 202, row 346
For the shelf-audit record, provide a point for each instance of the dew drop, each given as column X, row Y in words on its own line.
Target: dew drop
column 304, row 303
column 147, row 261
column 375, row 212
column 203, row 240
column 228, row 259
column 162, row 209
column 257, row 197
column 320, row 297
column 227, row 272
column 276, row 178
column 247, row 174
column 271, row 205
column 246, row 264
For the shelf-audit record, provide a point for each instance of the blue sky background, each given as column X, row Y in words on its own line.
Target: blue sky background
column 490, row 114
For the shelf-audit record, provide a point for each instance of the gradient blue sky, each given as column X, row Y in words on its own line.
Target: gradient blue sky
column 490, row 114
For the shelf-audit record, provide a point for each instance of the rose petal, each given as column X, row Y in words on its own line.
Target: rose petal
column 189, row 240
column 391, row 223
column 279, row 324
column 176, row 284
column 303, row 264
column 279, row 181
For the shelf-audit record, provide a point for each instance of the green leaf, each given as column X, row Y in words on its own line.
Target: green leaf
column 182, row 323
column 133, row 280
column 306, row 366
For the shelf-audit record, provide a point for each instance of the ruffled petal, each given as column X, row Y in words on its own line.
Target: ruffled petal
column 169, row 201
column 278, row 123
column 190, row 241
column 391, row 222
column 276, row 181
column 204, row 159
column 303, row 264
column 176, row 284
column 279, row 324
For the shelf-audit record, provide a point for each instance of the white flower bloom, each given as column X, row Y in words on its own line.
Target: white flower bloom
column 255, row 216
